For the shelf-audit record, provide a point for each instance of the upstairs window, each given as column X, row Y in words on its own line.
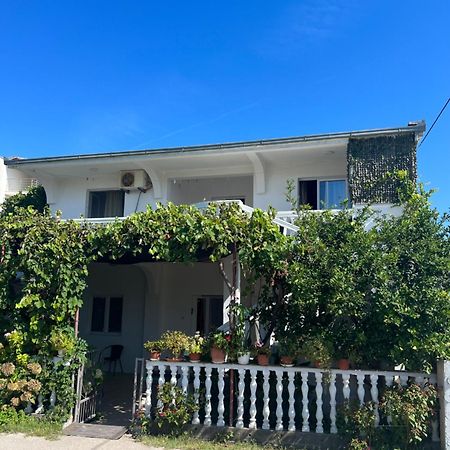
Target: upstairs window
column 107, row 314
column 106, row 204
column 322, row 194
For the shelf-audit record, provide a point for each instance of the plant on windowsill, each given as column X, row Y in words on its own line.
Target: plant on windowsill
column 219, row 346
column 176, row 342
column 154, row 348
column 196, row 346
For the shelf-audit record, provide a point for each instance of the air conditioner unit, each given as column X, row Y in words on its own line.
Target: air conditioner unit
column 135, row 179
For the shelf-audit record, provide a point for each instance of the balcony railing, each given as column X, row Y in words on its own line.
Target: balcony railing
column 273, row 397
column 15, row 185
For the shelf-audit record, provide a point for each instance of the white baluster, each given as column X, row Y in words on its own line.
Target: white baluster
column 319, row 402
column 40, row 408
column 52, row 399
column 305, row 412
column 291, row 390
column 207, row 421
column 184, row 379
column 162, row 371
column 148, row 392
column 403, row 380
column 346, row 385
column 221, row 406
column 279, row 425
column 240, row 405
column 333, row 428
column 196, row 419
column 360, row 378
column 252, row 423
column 374, row 395
column 389, row 382
column 266, row 410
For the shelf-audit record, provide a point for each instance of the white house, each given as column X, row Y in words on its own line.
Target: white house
column 127, row 304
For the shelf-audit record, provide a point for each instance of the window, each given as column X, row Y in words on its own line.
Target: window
column 107, row 314
column 106, row 203
column 209, row 314
column 322, row 194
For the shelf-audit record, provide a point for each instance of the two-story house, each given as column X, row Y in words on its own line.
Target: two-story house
column 129, row 303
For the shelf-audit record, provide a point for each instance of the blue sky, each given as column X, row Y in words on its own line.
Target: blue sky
column 90, row 76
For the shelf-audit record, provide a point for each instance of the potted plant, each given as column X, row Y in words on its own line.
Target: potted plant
column 154, row 348
column 288, row 351
column 262, row 353
column 176, row 342
column 196, row 345
column 219, row 346
column 318, row 351
column 62, row 341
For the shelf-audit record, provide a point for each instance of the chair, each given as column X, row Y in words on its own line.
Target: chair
column 114, row 357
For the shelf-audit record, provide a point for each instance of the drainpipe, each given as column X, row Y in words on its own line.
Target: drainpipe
column 77, row 319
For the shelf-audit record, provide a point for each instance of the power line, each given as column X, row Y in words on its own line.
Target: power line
column 435, row 120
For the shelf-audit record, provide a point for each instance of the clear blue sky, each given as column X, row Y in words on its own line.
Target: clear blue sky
column 89, row 76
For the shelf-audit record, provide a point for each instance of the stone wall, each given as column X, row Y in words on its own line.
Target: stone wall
column 369, row 160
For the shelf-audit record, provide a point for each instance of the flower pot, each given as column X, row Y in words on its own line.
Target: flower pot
column 244, row 359
column 217, row 355
column 194, row 357
column 154, row 356
column 287, row 361
column 174, row 359
column 344, row 364
column 317, row 364
column 263, row 360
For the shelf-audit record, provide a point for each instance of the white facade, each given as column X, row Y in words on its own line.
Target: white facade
column 160, row 296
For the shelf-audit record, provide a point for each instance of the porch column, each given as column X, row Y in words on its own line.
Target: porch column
column 233, row 275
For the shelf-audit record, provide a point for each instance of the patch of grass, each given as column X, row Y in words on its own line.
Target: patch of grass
column 189, row 442
column 12, row 421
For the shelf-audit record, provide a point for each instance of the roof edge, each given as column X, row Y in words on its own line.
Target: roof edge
column 413, row 127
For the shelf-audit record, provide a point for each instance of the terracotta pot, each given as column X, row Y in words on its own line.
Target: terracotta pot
column 154, row 356
column 174, row 359
column 194, row 357
column 287, row 361
column 344, row 364
column 317, row 364
column 217, row 355
column 263, row 360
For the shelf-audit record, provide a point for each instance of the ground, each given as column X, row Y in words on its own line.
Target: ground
column 22, row 442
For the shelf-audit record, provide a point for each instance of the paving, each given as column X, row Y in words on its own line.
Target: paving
column 21, row 442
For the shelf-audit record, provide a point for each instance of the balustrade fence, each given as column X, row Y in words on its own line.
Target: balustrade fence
column 277, row 398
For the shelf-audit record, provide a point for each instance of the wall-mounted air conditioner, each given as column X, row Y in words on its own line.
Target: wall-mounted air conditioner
column 135, row 179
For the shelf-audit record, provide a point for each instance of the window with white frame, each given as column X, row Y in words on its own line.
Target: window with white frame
column 322, row 194
column 107, row 314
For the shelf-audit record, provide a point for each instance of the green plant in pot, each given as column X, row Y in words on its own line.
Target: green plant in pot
column 176, row 342
column 62, row 341
column 219, row 346
column 196, row 347
column 318, row 350
column 154, row 348
column 347, row 340
column 288, row 350
column 262, row 353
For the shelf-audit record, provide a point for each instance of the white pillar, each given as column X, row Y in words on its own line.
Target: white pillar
column 443, row 379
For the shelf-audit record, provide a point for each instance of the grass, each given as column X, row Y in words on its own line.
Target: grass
column 31, row 426
column 189, row 442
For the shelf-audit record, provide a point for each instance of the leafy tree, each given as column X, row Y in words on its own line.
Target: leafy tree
column 35, row 197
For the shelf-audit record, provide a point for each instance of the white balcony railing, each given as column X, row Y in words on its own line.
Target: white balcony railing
column 298, row 398
column 15, row 185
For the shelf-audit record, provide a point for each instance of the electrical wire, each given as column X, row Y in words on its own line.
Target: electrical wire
column 435, row 120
